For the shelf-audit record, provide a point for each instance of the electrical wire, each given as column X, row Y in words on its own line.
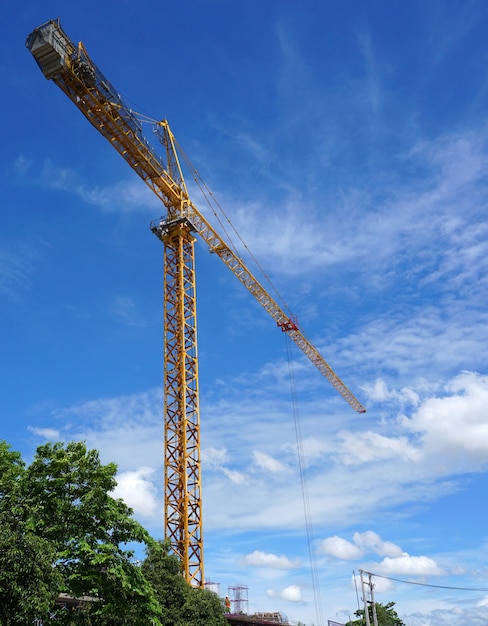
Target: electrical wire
column 411, row 582
column 214, row 206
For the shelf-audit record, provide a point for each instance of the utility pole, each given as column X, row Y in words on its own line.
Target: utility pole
column 373, row 603
column 366, row 602
column 365, row 599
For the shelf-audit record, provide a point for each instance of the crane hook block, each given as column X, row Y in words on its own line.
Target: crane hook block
column 290, row 324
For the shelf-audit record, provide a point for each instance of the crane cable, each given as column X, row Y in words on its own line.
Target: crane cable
column 216, row 208
column 304, row 487
column 214, row 205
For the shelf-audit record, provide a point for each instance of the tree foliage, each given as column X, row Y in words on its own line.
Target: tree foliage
column 28, row 582
column 181, row 604
column 385, row 613
column 62, row 531
column 73, row 533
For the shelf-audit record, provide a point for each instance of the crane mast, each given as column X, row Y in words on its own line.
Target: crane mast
column 70, row 67
column 72, row 70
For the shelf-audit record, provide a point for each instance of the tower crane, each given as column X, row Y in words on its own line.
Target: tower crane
column 68, row 65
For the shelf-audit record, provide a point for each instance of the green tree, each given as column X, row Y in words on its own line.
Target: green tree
column 28, row 582
column 181, row 604
column 203, row 607
column 163, row 571
column 385, row 613
column 70, row 491
column 66, row 515
column 11, row 469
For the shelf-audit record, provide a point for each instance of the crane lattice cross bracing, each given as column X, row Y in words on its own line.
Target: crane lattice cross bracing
column 71, row 69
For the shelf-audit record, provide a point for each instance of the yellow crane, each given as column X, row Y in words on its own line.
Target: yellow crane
column 68, row 65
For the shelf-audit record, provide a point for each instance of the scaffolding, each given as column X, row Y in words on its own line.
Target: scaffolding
column 239, row 599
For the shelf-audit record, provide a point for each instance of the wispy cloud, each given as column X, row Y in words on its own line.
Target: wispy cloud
column 50, row 434
column 369, row 211
column 341, row 473
column 439, row 226
column 269, row 463
column 18, row 263
column 127, row 195
column 451, row 24
column 371, row 72
column 124, row 309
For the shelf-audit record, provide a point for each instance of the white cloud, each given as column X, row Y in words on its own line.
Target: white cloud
column 340, row 548
column 269, row 463
column 127, row 430
column 266, row 559
column 368, row 235
column 409, row 565
column 51, row 434
column 369, row 446
column 214, row 457
column 449, row 614
column 314, row 447
column 379, row 392
column 238, row 478
column 292, row 593
column 455, row 424
column 138, row 491
column 341, row 475
column 370, row 540
column 216, row 460
column 363, row 543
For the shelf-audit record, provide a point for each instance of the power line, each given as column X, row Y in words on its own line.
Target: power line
column 411, row 582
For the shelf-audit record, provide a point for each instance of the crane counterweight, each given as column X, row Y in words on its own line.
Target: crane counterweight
column 50, row 47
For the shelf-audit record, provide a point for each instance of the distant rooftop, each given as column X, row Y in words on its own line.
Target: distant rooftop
column 258, row 619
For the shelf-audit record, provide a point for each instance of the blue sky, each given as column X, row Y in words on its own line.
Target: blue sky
column 348, row 143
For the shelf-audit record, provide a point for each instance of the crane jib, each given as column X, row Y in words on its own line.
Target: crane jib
column 70, row 67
